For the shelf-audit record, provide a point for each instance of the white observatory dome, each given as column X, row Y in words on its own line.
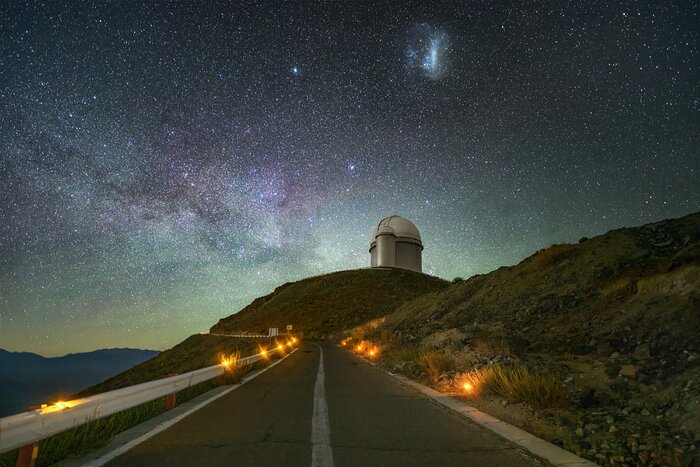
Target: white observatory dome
column 396, row 242
column 401, row 226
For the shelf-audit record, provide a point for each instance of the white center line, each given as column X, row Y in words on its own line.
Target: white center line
column 322, row 454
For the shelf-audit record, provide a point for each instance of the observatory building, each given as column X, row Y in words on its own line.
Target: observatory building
column 396, row 243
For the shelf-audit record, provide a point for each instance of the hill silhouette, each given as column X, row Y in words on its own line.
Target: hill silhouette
column 321, row 306
column 30, row 379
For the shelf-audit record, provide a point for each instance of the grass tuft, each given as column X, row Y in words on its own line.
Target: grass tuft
column 234, row 374
column 434, row 364
column 398, row 355
column 517, row 384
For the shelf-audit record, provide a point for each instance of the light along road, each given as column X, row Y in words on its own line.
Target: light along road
column 286, row 417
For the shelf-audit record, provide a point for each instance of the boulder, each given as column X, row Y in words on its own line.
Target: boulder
column 629, row 371
column 642, row 352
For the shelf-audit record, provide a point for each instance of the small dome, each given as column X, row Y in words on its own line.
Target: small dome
column 402, row 228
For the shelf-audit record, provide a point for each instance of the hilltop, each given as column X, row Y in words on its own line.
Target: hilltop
column 324, row 305
column 616, row 317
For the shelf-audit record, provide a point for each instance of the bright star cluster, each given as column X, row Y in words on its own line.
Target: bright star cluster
column 165, row 163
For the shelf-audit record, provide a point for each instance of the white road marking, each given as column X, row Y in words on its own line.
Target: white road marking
column 322, row 454
column 168, row 423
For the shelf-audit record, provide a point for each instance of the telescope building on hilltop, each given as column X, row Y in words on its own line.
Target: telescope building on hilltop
column 396, row 243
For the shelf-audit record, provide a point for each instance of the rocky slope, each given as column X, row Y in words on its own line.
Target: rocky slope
column 323, row 305
column 616, row 316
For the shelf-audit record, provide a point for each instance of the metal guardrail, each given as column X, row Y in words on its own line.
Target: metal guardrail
column 29, row 427
column 252, row 336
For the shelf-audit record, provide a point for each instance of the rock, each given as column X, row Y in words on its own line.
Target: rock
column 612, row 370
column 588, row 399
column 629, row 371
column 579, row 432
column 604, row 349
column 642, row 352
column 612, row 429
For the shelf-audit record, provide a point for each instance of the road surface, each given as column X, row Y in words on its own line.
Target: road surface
column 350, row 414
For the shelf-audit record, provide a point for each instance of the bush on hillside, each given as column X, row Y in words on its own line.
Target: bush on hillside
column 434, row 364
column 517, row 384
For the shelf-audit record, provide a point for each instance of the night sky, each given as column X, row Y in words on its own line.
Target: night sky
column 163, row 164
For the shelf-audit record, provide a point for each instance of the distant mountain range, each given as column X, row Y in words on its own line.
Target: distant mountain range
column 30, row 379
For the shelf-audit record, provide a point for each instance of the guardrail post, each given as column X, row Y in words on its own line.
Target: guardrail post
column 29, row 453
column 170, row 399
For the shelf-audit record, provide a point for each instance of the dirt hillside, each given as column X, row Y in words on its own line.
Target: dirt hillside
column 616, row 317
column 323, row 305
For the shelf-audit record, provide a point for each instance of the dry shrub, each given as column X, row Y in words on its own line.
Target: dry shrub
column 358, row 333
column 434, row 364
column 398, row 355
column 490, row 342
column 234, row 373
column 517, row 384
column 553, row 254
column 386, row 336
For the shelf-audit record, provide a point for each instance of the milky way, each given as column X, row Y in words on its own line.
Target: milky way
column 166, row 163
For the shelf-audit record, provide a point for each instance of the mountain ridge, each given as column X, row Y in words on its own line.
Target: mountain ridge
column 27, row 378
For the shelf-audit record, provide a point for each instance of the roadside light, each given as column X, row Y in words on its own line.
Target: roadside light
column 468, row 387
column 55, row 407
column 226, row 363
column 371, row 353
column 294, row 340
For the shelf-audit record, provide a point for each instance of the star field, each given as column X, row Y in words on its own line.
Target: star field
column 165, row 163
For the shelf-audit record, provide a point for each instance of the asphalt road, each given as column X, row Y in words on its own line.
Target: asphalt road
column 365, row 419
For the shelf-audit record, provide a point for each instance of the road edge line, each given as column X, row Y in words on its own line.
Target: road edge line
column 172, row 421
column 543, row 449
